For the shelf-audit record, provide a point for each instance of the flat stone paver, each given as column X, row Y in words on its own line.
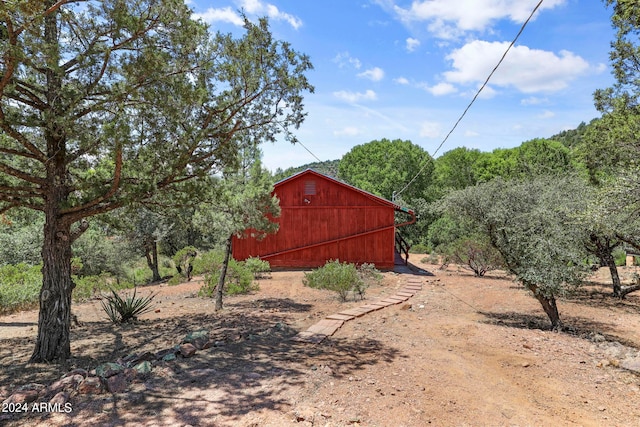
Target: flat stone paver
column 330, row 324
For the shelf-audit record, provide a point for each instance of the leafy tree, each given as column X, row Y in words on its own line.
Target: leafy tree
column 384, row 167
column 454, row 170
column 526, row 221
column 21, row 237
column 243, row 204
column 104, row 103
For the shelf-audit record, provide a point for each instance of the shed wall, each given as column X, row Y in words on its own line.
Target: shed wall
column 322, row 220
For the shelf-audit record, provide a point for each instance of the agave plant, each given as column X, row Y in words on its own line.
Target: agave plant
column 123, row 310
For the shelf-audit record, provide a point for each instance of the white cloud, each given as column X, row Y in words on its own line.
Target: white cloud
column 471, row 134
column 344, row 59
column 527, row 70
column 450, row 19
column 533, row 100
column 412, row 44
column 249, row 7
column 353, row 97
column 347, row 131
column 401, row 81
column 546, row 115
column 220, row 15
column 429, row 130
column 440, row 89
column 374, row 74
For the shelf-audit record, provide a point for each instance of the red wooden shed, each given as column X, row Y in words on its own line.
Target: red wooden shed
column 323, row 219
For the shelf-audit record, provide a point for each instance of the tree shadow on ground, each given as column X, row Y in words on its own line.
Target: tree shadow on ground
column 283, row 304
column 596, row 295
column 573, row 325
column 253, row 365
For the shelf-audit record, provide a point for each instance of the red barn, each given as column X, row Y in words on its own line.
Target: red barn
column 323, row 219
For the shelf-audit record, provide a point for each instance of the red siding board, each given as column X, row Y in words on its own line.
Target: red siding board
column 337, row 222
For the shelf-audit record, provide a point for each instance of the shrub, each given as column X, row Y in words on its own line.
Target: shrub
column 475, row 254
column 342, row 278
column 208, row 262
column 258, row 267
column 620, row 257
column 122, row 310
column 419, row 249
column 88, row 286
column 19, row 286
column 239, row 278
column 183, row 260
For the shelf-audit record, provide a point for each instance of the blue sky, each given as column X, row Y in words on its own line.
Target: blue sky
column 402, row 69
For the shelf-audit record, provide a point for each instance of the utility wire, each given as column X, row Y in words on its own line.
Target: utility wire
column 504, row 55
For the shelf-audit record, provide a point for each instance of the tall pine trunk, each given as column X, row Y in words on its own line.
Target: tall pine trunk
column 53, row 341
column 223, row 275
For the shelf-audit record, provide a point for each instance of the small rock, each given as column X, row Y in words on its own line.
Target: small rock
column 187, row 350
column 198, row 338
column 143, row 368
column 160, row 355
column 169, row 357
column 66, row 382
column 77, row 371
column 91, row 385
column 60, row 399
column 117, row 383
column 525, row 364
column 108, row 369
column 24, row 396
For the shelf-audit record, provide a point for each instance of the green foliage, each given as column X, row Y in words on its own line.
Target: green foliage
column 127, row 309
column 384, row 166
column 343, row 278
column 183, row 260
column 90, row 286
column 477, row 254
column 207, row 262
column 238, row 280
column 620, row 257
column 99, row 253
column 419, row 249
column 454, row 170
column 19, row 286
column 21, row 238
column 258, row 267
column 526, row 221
column 329, row 168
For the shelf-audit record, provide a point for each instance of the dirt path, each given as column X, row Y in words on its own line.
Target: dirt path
column 463, row 351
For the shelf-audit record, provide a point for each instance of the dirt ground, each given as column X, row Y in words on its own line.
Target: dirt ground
column 464, row 351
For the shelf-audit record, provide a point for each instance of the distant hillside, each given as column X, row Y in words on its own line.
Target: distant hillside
column 329, row 168
column 571, row 138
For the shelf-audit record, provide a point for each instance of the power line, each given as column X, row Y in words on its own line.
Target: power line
column 504, row 55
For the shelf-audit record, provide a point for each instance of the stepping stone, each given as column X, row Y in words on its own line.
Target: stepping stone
column 404, row 294
column 400, row 298
column 416, row 287
column 394, row 300
column 326, row 327
column 343, row 317
column 354, row 312
column 382, row 303
column 371, row 307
